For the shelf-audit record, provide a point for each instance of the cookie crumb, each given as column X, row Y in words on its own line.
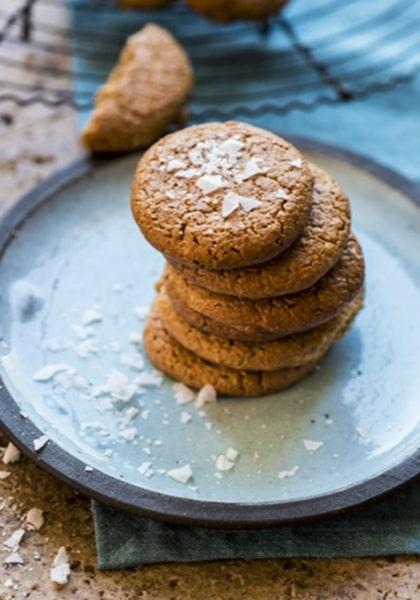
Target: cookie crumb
column 181, row 474
column 60, row 571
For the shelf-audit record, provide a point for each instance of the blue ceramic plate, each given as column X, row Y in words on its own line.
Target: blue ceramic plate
column 76, row 279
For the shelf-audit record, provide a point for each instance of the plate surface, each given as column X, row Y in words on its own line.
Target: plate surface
column 77, row 255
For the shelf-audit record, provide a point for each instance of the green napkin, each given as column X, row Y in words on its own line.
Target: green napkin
column 390, row 526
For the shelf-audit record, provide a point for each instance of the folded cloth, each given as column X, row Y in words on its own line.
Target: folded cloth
column 390, row 526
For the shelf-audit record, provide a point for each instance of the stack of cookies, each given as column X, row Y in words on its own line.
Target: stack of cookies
column 263, row 272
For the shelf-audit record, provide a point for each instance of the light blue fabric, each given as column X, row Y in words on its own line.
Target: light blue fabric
column 322, row 52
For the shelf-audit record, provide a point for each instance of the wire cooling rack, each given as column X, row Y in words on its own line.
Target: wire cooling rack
column 315, row 52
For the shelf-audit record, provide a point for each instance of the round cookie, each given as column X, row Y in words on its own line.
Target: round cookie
column 287, row 352
column 274, row 317
column 228, row 10
column 181, row 364
column 222, row 195
column 312, row 255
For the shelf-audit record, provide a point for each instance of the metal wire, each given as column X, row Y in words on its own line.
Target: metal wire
column 292, row 76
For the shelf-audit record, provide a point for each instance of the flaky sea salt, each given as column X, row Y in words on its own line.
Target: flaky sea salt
column 312, row 445
column 60, row 570
column 282, row 194
column 232, row 201
column 206, row 395
column 297, row 163
column 129, row 434
column 210, row 183
column 181, row 474
column 4, row 475
column 11, row 454
column 91, row 315
column 252, row 167
column 118, row 386
column 232, row 454
column 185, row 417
column 146, row 379
column 288, row 473
column 13, row 542
column 224, row 464
column 182, row 393
column 47, row 372
column 14, row 559
column 144, row 468
column 40, row 442
column 175, row 164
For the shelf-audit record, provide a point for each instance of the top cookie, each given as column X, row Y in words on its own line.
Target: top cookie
column 313, row 254
column 222, row 195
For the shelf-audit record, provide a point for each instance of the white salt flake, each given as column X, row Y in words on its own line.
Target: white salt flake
column 187, row 173
column 145, row 414
column 296, row 162
column 129, row 434
column 251, row 168
column 312, row 446
column 232, row 201
column 88, row 469
column 223, row 464
column 232, row 454
column 14, row 559
column 40, row 442
column 13, row 542
column 185, row 417
column 175, row 164
column 86, row 348
column 4, row 475
column 183, row 394
column 119, row 387
column 91, row 315
column 9, row 583
column 35, row 517
column 282, row 194
column 206, row 395
column 288, row 473
column 231, row 147
column 11, row 454
column 210, row 183
column 248, row 203
column 60, row 571
column 133, row 360
column 141, row 312
column 147, row 379
column 47, row 373
column 181, row 474
column 144, row 467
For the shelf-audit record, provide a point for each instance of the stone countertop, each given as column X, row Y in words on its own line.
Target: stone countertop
column 35, row 142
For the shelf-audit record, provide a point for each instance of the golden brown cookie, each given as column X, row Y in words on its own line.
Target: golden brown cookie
column 313, row 254
column 275, row 317
column 222, row 195
column 181, row 364
column 143, row 95
column 291, row 351
column 228, row 10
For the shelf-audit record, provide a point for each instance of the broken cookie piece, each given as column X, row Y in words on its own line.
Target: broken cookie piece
column 145, row 92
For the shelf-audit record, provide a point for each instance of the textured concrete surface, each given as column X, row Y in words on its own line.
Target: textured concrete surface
column 35, row 142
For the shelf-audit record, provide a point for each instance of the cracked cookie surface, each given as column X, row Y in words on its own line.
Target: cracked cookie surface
column 222, row 195
column 309, row 258
column 291, row 351
column 181, row 364
column 274, row 317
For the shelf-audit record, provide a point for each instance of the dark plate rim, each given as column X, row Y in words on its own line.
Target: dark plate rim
column 125, row 496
